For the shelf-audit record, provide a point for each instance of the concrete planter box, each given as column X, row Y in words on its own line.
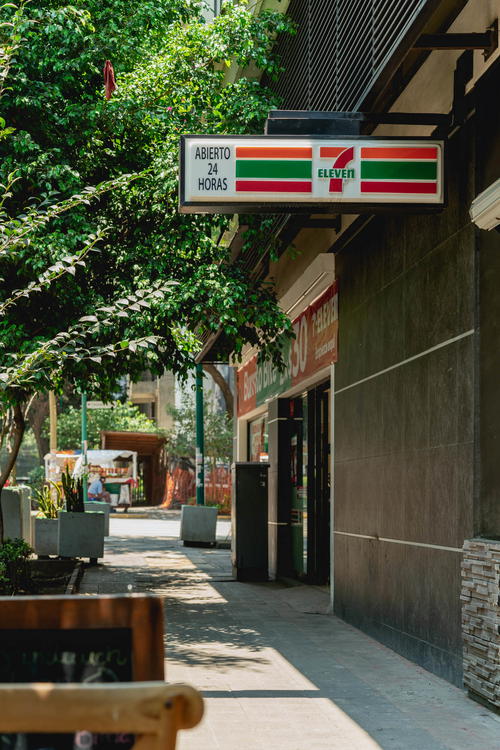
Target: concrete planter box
column 16, row 509
column 81, row 534
column 198, row 524
column 96, row 506
column 33, row 516
column 46, row 536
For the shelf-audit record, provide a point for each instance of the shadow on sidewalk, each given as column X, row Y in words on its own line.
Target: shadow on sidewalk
column 238, row 635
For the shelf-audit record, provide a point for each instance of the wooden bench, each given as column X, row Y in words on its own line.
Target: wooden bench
column 153, row 711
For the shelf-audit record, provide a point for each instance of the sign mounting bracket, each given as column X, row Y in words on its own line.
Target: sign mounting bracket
column 486, row 41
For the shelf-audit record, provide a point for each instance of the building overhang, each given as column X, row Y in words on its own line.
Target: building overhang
column 485, row 208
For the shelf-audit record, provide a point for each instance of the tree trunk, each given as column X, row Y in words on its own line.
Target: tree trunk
column 37, row 414
column 223, row 385
column 19, row 426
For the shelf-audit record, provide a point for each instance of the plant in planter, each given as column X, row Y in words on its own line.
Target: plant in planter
column 50, row 500
column 81, row 534
column 73, row 492
column 50, row 503
column 4, row 578
column 14, row 572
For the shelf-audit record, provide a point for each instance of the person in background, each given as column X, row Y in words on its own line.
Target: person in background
column 97, row 491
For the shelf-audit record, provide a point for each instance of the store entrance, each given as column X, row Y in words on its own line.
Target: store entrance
column 310, row 484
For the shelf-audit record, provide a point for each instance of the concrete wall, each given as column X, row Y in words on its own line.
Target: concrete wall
column 404, row 424
column 487, row 171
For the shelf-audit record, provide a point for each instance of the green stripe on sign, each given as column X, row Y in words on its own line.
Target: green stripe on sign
column 273, row 168
column 398, row 170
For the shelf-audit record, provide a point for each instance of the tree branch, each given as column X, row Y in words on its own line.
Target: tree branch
column 223, row 385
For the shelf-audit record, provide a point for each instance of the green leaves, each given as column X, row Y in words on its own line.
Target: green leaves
column 103, row 276
column 123, row 417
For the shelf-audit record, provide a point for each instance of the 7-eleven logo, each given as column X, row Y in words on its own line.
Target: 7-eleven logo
column 338, row 172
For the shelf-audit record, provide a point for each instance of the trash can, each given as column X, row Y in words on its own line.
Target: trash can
column 249, row 521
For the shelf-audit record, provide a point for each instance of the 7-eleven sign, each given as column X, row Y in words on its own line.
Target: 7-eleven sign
column 338, row 172
column 245, row 174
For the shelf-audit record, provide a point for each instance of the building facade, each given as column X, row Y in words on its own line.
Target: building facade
column 384, row 460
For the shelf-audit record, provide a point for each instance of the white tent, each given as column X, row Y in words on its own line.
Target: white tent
column 106, row 459
column 54, row 462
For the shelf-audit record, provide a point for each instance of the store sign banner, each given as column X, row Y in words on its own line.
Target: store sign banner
column 226, row 174
column 313, row 348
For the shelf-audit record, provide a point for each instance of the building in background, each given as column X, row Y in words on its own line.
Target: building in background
column 154, row 395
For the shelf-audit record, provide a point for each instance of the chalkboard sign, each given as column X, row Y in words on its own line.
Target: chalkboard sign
column 79, row 639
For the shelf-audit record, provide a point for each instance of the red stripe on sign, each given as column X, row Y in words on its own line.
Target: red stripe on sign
column 272, row 152
column 429, row 188
column 331, row 152
column 400, row 152
column 273, row 186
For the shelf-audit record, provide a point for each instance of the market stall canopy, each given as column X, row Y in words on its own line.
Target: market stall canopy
column 105, row 459
column 57, row 463
column 101, row 457
column 150, row 448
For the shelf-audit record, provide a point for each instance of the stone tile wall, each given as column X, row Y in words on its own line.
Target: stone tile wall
column 481, row 618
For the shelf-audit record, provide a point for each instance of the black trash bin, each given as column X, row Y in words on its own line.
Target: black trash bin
column 249, row 521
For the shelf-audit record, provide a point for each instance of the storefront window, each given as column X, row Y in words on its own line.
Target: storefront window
column 258, row 440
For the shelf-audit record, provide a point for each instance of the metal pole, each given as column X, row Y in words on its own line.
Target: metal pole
column 84, row 445
column 200, row 442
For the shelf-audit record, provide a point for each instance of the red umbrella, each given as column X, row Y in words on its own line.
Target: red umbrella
column 109, row 79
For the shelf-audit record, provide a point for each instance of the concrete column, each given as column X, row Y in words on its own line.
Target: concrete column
column 279, row 538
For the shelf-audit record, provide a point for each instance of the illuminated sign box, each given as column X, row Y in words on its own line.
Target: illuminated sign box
column 245, row 174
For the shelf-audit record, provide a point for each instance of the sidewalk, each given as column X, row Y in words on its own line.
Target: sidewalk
column 276, row 671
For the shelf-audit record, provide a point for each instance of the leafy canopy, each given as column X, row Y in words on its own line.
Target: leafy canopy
column 159, row 280
column 120, row 417
column 218, row 432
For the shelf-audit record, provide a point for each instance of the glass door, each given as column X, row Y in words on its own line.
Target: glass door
column 318, row 484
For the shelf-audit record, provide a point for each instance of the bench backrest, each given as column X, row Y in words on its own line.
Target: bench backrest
column 153, row 711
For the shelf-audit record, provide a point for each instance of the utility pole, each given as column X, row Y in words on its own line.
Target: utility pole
column 84, row 445
column 53, row 422
column 200, row 438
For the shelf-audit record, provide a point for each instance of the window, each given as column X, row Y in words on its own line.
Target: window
column 258, row 440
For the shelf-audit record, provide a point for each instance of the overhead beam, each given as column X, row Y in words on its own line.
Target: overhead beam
column 333, row 222
column 345, row 124
column 486, row 41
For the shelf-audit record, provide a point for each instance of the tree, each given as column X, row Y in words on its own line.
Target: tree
column 218, row 433
column 120, row 417
column 170, row 81
column 36, row 415
column 219, row 379
column 218, row 440
column 66, row 314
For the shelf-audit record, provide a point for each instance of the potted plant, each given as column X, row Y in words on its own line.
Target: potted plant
column 14, row 572
column 81, row 534
column 50, row 503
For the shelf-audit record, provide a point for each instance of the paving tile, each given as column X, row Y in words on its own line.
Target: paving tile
column 275, row 676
